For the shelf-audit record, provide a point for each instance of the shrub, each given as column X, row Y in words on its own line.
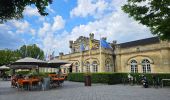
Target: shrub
column 117, row 78
column 23, row 72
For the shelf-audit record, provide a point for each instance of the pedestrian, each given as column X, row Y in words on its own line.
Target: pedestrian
column 130, row 79
column 59, row 73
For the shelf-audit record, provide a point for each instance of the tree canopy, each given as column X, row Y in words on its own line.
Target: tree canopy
column 13, row 9
column 31, row 51
column 155, row 14
column 8, row 56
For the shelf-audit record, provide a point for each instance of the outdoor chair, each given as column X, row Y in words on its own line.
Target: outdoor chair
column 20, row 84
column 13, row 82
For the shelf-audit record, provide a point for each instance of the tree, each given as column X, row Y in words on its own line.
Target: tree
column 13, row 9
column 7, row 56
column 155, row 14
column 31, row 51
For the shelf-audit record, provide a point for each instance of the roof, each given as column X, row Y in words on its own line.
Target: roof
column 4, row 67
column 147, row 41
column 29, row 59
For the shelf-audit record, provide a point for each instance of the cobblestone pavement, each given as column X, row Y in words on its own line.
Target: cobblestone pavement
column 77, row 91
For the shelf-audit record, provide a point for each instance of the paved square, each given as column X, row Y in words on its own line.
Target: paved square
column 77, row 91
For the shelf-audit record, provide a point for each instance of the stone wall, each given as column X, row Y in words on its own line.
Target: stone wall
column 90, row 56
column 157, row 54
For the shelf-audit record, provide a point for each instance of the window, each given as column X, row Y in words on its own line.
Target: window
column 87, row 67
column 95, row 66
column 146, row 66
column 134, row 66
column 108, row 66
column 76, row 67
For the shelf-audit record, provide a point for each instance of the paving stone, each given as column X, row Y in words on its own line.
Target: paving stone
column 77, row 91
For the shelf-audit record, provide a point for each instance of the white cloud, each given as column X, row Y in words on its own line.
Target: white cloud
column 115, row 25
column 8, row 38
column 32, row 31
column 48, row 36
column 45, row 29
column 58, row 23
column 90, row 8
column 30, row 11
column 51, row 28
column 21, row 26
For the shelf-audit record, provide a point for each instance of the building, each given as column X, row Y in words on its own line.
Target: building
column 141, row 56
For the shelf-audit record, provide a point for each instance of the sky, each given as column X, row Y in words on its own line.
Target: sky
column 69, row 19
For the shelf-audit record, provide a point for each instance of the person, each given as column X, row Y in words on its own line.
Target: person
column 130, row 79
column 59, row 73
column 144, row 81
column 4, row 76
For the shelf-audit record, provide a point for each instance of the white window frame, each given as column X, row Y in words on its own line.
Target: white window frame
column 133, row 66
column 87, row 66
column 76, row 67
column 146, row 66
column 95, row 66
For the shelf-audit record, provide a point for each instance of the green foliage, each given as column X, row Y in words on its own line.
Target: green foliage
column 31, row 51
column 100, row 77
column 7, row 56
column 116, row 78
column 77, row 77
column 155, row 14
column 13, row 9
column 42, row 74
column 23, row 72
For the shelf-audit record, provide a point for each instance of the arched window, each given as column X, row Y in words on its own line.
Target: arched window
column 108, row 69
column 133, row 66
column 76, row 67
column 87, row 67
column 95, row 66
column 146, row 67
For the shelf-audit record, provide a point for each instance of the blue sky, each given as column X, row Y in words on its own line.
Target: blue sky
column 69, row 19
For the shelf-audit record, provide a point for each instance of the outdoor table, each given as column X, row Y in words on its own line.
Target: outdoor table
column 29, row 82
column 32, row 82
column 57, row 81
column 52, row 75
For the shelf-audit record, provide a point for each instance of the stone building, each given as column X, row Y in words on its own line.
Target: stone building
column 141, row 56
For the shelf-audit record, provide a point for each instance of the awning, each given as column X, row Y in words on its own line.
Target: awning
column 27, row 62
column 4, row 67
column 57, row 63
column 67, row 65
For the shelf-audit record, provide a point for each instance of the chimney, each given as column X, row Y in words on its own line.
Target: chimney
column 91, row 36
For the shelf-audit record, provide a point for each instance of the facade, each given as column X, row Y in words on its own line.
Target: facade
column 144, row 56
column 141, row 56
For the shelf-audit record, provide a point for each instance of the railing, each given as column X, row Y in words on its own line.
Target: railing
column 162, row 81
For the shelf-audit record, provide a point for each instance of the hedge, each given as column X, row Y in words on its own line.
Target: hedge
column 117, row 78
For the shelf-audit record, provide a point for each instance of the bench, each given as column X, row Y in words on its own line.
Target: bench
column 162, row 81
